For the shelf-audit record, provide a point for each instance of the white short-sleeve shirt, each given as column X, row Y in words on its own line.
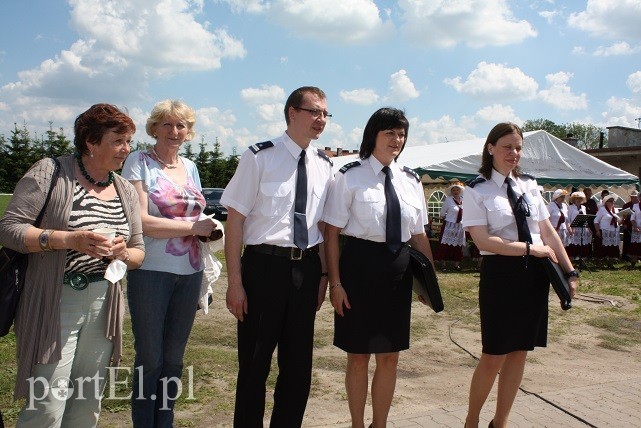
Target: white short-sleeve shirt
column 263, row 189
column 555, row 215
column 604, row 219
column 486, row 204
column 356, row 201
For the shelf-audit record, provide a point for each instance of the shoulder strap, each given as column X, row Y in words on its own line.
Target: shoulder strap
column 530, row 176
column 323, row 155
column 411, row 172
column 474, row 182
column 261, row 146
column 349, row 166
column 54, row 179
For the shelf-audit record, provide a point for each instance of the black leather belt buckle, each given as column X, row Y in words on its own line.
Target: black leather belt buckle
column 296, row 254
column 78, row 281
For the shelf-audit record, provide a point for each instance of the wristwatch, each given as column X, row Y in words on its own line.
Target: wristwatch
column 571, row 274
column 43, row 240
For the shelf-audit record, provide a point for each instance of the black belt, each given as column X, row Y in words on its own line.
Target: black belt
column 292, row 253
column 80, row 281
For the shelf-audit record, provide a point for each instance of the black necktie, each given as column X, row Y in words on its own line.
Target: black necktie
column 300, row 205
column 393, row 220
column 519, row 212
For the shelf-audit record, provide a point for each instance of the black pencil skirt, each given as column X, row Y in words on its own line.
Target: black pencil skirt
column 513, row 301
column 379, row 289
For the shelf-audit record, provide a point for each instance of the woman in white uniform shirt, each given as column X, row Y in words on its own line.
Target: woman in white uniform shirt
column 607, row 224
column 513, row 289
column 370, row 286
column 559, row 218
column 634, row 250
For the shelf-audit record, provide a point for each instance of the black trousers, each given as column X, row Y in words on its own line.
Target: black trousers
column 281, row 314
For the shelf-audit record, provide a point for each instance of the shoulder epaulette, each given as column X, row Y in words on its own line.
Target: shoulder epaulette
column 411, row 172
column 473, row 182
column 530, row 176
column 261, row 146
column 349, row 166
column 324, row 156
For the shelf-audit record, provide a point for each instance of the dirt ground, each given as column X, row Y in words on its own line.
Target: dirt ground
column 435, row 372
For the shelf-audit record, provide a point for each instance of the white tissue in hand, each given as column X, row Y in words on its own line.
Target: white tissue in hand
column 116, row 271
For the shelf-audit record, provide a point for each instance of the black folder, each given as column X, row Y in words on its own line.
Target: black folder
column 559, row 282
column 424, row 281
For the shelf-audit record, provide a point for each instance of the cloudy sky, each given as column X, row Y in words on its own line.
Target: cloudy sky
column 456, row 67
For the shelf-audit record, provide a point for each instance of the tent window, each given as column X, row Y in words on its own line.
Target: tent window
column 434, row 204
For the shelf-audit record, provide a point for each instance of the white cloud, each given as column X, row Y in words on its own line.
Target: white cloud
column 145, row 32
column 549, row 15
column 251, row 6
column 578, row 50
column 439, row 130
column 264, row 94
column 610, row 19
column 621, row 48
column 489, row 80
column 634, row 82
column 362, row 96
column 476, row 23
column 271, row 112
column 122, row 46
column 401, row 88
column 559, row 94
column 340, row 21
column 496, row 113
column 621, row 112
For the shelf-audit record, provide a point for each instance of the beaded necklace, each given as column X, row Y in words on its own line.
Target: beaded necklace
column 85, row 174
column 170, row 166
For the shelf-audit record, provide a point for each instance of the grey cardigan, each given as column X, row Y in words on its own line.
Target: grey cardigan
column 37, row 323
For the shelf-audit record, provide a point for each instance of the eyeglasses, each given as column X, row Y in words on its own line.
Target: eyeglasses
column 315, row 113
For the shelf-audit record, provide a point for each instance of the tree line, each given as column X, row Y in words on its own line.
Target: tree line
column 21, row 149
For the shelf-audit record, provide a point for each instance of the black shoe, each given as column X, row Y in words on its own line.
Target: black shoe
column 491, row 425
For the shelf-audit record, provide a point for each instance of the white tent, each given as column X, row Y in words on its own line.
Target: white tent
column 551, row 160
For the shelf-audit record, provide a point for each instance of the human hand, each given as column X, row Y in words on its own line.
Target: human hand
column 118, row 249
column 543, row 251
column 322, row 292
column 89, row 243
column 205, row 229
column 236, row 300
column 338, row 296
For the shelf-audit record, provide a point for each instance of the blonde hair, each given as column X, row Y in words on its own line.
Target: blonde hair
column 171, row 108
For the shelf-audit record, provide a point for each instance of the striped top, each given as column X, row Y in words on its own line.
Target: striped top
column 89, row 213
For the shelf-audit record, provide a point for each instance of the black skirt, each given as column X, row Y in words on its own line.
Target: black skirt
column 379, row 289
column 513, row 301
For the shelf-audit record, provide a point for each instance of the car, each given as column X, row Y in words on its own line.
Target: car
column 212, row 196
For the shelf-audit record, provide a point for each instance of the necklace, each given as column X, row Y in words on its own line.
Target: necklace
column 170, row 166
column 85, row 174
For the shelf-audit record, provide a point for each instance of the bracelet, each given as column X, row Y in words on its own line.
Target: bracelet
column 324, row 274
column 43, row 240
column 572, row 273
column 126, row 259
column 338, row 284
column 527, row 249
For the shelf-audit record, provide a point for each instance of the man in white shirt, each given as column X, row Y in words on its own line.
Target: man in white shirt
column 280, row 282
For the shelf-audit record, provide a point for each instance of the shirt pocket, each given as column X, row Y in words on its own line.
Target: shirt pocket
column 499, row 213
column 410, row 209
column 369, row 203
column 317, row 202
column 276, row 198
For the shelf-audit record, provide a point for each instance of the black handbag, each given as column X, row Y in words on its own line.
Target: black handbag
column 13, row 267
column 559, row 282
column 424, row 281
